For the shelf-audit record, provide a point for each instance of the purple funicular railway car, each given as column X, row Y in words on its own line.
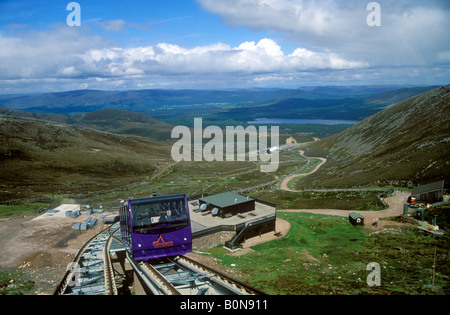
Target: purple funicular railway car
column 156, row 227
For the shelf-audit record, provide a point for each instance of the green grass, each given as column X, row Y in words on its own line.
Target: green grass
column 20, row 210
column 12, row 284
column 327, row 255
column 364, row 200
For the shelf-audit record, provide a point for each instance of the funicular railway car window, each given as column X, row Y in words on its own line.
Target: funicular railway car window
column 125, row 222
column 152, row 215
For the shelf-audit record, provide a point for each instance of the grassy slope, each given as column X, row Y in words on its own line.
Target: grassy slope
column 327, row 255
column 408, row 142
column 38, row 156
column 322, row 200
column 125, row 122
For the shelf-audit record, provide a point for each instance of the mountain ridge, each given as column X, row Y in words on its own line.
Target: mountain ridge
column 139, row 100
column 39, row 156
column 116, row 121
column 407, row 142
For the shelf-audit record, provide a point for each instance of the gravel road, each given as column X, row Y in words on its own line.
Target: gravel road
column 284, row 183
column 396, row 209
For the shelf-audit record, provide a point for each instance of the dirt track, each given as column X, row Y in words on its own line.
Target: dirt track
column 284, row 183
column 41, row 248
column 396, row 209
column 396, row 202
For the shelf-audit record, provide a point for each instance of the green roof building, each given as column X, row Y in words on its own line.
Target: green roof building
column 227, row 204
column 356, row 218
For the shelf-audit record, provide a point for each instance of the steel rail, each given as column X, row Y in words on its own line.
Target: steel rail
column 168, row 276
column 98, row 243
column 184, row 276
column 165, row 285
column 63, row 284
column 151, row 279
column 234, row 286
column 110, row 282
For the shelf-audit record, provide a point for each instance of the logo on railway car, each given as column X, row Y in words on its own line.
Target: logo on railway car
column 160, row 243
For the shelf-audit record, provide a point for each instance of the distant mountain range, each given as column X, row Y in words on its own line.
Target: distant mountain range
column 154, row 113
column 40, row 152
column 231, row 104
column 407, row 143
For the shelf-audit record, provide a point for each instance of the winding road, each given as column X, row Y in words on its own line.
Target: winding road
column 395, row 202
column 284, row 183
column 395, row 209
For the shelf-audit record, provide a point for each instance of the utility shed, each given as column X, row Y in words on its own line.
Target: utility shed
column 227, row 204
column 429, row 193
column 356, row 218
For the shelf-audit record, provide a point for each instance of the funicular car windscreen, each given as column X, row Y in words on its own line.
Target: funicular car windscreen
column 154, row 215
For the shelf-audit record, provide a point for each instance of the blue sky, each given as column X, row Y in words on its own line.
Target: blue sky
column 200, row 44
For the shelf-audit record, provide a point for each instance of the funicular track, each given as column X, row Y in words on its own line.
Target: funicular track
column 183, row 276
column 91, row 272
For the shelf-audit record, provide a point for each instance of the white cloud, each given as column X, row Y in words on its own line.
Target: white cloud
column 45, row 54
column 69, row 72
column 411, row 33
column 64, row 53
column 334, row 44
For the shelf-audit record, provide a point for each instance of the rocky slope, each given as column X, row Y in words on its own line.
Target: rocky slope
column 406, row 144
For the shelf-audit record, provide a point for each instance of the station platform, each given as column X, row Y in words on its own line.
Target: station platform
column 202, row 225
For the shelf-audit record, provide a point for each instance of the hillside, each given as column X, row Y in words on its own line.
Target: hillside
column 39, row 157
column 407, row 143
column 396, row 96
column 110, row 120
column 43, row 116
column 125, row 122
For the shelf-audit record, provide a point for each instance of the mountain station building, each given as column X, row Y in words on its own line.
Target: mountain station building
column 429, row 193
column 227, row 204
